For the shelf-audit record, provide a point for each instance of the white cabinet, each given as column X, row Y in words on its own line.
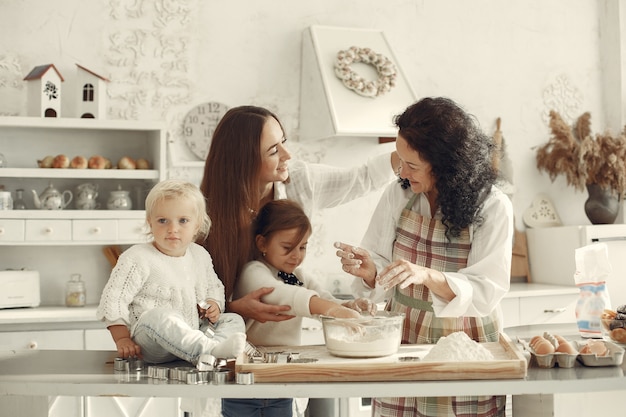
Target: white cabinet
column 99, row 339
column 527, row 304
column 131, row 407
column 49, row 339
column 25, row 140
column 48, row 230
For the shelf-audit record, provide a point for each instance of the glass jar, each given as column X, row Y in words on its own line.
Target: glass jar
column 6, row 202
column 19, row 203
column 75, row 294
column 119, row 200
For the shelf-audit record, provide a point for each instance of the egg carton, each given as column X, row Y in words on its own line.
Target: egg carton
column 551, row 360
column 614, row 356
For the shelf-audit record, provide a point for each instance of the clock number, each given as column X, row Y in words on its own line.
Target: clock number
column 215, row 107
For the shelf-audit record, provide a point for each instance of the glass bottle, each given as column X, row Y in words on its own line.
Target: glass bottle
column 75, row 295
column 19, row 203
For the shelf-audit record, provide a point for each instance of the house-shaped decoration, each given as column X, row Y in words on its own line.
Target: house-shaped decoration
column 44, row 91
column 91, row 94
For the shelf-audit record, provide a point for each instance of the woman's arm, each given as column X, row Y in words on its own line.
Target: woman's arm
column 250, row 306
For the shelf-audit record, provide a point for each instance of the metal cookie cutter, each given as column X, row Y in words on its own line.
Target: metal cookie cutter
column 158, row 372
column 245, row 378
column 207, row 363
column 121, row 365
column 222, row 376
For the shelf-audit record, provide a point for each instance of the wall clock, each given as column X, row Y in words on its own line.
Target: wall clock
column 199, row 125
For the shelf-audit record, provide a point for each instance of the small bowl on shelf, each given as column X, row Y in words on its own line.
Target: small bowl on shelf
column 615, row 328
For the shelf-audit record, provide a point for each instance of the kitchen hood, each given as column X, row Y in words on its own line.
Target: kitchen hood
column 328, row 108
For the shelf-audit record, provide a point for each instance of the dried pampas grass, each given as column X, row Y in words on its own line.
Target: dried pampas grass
column 581, row 158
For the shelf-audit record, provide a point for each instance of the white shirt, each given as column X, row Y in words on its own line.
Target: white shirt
column 257, row 274
column 479, row 286
column 145, row 278
column 316, row 186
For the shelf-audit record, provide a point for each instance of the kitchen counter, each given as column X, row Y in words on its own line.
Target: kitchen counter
column 90, row 373
column 49, row 317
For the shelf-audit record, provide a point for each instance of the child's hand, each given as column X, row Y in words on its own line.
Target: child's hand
column 209, row 310
column 342, row 312
column 127, row 348
column 362, row 305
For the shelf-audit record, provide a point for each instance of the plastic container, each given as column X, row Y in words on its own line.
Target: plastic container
column 75, row 294
column 364, row 337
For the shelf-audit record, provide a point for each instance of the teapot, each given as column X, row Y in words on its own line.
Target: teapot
column 119, row 200
column 52, row 199
column 86, row 195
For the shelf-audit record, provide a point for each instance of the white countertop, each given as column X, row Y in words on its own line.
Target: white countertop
column 90, row 373
column 48, row 314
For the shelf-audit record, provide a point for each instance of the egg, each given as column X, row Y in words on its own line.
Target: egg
column 565, row 346
column 541, row 345
column 594, row 347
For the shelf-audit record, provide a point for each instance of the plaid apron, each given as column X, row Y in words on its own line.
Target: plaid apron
column 422, row 241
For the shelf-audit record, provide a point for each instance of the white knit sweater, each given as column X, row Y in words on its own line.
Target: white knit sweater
column 145, row 278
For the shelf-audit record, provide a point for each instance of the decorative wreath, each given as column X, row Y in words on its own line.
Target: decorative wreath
column 387, row 72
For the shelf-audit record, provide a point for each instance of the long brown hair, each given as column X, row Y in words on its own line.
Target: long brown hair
column 231, row 187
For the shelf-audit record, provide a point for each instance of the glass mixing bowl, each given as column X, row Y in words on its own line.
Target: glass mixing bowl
column 363, row 337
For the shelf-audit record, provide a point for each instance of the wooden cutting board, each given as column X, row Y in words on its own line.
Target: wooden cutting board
column 509, row 363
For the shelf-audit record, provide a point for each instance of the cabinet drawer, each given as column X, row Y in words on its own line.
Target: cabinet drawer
column 99, row 339
column 11, row 230
column 510, row 312
column 132, row 230
column 548, row 309
column 94, row 230
column 48, row 230
column 53, row 339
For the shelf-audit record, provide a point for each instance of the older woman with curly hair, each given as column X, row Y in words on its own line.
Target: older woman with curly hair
column 439, row 245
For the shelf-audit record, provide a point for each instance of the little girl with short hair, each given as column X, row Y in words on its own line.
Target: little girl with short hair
column 163, row 300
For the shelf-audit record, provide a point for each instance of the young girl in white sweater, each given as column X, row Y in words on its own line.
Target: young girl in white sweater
column 163, row 300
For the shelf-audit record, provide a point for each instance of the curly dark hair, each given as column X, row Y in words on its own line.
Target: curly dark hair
column 459, row 153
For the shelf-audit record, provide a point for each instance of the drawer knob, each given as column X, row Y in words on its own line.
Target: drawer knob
column 1, row 230
column 33, row 345
column 48, row 230
column 97, row 230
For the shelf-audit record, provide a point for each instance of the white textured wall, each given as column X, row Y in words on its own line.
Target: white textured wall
column 513, row 59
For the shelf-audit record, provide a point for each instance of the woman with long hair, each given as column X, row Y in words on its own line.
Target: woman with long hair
column 249, row 165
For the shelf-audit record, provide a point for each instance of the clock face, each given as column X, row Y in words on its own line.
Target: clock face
column 199, row 125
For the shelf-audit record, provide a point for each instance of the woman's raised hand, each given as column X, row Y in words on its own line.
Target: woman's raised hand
column 357, row 261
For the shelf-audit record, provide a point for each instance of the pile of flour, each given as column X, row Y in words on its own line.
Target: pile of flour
column 458, row 347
